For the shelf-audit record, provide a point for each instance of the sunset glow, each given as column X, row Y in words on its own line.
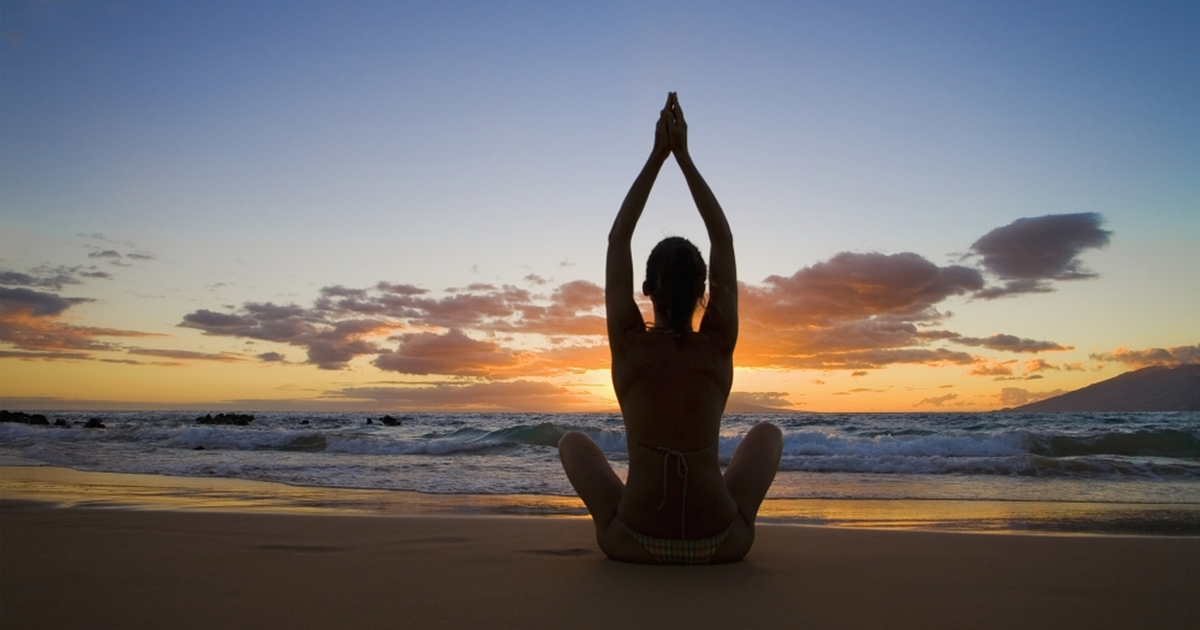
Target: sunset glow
column 221, row 206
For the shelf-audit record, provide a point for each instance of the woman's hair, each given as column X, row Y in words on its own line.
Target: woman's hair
column 675, row 275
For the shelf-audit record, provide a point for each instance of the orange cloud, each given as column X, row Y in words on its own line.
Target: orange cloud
column 29, row 322
column 991, row 367
column 937, row 401
column 453, row 353
column 224, row 357
column 854, row 311
column 750, row 402
column 1016, row 396
column 1178, row 355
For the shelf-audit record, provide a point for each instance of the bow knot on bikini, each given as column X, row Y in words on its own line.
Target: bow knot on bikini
column 681, row 469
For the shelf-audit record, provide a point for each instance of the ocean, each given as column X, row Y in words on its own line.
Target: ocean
column 1131, row 473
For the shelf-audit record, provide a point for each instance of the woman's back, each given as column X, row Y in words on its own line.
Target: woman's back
column 672, row 390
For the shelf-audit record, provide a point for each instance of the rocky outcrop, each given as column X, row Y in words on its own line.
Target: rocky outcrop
column 23, row 418
column 236, row 419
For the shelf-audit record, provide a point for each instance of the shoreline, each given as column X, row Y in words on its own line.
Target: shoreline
column 80, row 567
column 65, row 487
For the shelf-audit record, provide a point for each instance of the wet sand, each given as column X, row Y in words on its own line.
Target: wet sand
column 120, row 568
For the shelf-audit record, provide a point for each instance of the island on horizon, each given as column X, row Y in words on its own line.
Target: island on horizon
column 1154, row 388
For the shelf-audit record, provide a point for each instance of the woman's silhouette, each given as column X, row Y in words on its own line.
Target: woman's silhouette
column 672, row 383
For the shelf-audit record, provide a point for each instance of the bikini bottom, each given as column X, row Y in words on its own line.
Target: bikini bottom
column 668, row 551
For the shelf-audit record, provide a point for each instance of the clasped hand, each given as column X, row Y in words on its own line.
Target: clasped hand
column 670, row 134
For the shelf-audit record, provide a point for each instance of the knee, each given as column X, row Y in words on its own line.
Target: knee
column 766, row 431
column 573, row 442
column 766, row 438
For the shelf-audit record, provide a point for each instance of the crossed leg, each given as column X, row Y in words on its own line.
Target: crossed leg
column 748, row 477
column 601, row 490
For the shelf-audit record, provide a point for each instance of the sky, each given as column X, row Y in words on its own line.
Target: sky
column 936, row 206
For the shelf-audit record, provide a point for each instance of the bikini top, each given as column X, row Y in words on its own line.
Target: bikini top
column 681, row 470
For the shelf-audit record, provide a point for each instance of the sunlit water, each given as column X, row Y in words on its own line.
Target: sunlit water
column 873, row 469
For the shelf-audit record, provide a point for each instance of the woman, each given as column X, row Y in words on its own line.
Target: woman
column 672, row 383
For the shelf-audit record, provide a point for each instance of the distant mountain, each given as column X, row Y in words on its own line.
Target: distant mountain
column 1156, row 388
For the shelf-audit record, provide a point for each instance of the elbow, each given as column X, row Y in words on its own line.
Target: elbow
column 617, row 236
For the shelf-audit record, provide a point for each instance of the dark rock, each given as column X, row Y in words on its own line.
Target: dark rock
column 304, row 422
column 23, row 418
column 391, row 422
column 59, row 422
column 199, row 448
column 370, row 421
column 95, row 423
column 238, row 419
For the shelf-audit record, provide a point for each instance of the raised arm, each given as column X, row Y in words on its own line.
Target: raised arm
column 721, row 313
column 622, row 312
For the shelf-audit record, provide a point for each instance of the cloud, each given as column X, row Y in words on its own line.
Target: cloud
column 271, row 357
column 991, row 367
column 854, row 311
column 936, row 401
column 1012, row 343
column 867, row 359
column 189, row 355
column 853, row 285
column 510, row 395
column 1016, row 396
column 338, row 327
column 749, row 402
column 331, row 344
column 49, row 356
column 1178, row 355
column 35, row 303
column 114, row 256
column 133, row 362
column 452, row 353
column 1027, row 253
column 1039, row 365
column 29, row 322
column 46, row 277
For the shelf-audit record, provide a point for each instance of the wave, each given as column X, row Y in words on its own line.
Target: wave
column 882, row 445
column 1172, row 443
column 1169, row 453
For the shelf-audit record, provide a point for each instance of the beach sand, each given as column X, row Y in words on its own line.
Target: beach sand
column 120, row 568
